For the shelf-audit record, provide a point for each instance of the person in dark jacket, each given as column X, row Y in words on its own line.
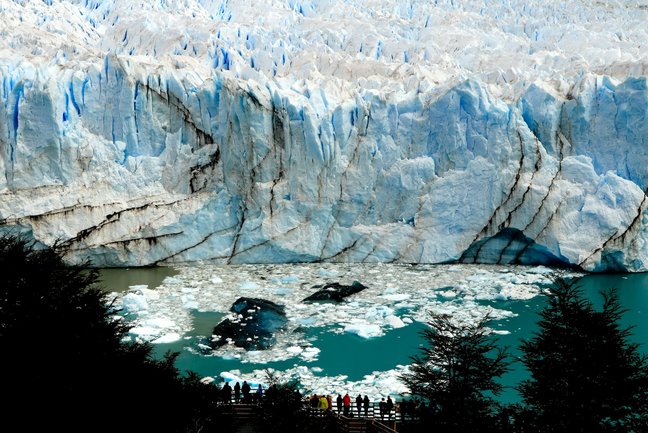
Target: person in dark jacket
column 246, row 392
column 227, row 393
column 338, row 403
column 389, row 406
column 359, row 403
column 237, row 393
column 382, row 406
column 365, row 402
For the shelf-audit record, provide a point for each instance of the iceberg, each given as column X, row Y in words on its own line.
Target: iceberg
column 137, row 133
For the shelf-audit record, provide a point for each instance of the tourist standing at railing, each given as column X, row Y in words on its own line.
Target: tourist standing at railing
column 346, row 401
column 359, row 403
column 329, row 400
column 259, row 394
column 382, row 406
column 365, row 402
column 227, row 393
column 389, row 405
column 237, row 393
column 338, row 402
column 323, row 403
column 246, row 392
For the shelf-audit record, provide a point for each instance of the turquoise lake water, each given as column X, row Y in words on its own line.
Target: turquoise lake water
column 351, row 355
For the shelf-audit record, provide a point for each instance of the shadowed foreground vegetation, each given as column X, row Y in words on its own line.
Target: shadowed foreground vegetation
column 65, row 360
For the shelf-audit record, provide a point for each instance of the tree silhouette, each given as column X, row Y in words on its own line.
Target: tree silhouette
column 456, row 375
column 64, row 359
column 585, row 375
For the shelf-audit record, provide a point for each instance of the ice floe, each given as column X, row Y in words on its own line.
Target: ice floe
column 396, row 296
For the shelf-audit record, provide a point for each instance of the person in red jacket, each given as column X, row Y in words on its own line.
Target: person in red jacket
column 346, row 401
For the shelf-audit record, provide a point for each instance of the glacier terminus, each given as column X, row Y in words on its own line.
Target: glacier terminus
column 482, row 131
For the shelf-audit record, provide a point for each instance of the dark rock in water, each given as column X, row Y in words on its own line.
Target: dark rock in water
column 255, row 330
column 335, row 292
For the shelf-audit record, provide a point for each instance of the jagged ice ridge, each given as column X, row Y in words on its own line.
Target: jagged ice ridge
column 141, row 132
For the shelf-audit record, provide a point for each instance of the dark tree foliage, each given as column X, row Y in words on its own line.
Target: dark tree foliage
column 64, row 360
column 283, row 411
column 456, row 374
column 585, row 374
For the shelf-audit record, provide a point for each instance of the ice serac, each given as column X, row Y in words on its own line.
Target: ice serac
column 138, row 132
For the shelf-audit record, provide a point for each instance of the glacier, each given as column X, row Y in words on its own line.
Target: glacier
column 492, row 131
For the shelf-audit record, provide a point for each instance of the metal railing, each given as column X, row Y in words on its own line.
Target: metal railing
column 370, row 412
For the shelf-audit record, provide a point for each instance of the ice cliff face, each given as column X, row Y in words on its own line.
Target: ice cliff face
column 140, row 132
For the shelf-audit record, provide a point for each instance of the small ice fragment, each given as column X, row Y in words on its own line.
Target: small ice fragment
column 363, row 329
column 207, row 380
column 167, row 338
column 394, row 321
column 249, row 285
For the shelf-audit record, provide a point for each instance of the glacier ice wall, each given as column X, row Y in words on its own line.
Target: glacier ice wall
column 137, row 133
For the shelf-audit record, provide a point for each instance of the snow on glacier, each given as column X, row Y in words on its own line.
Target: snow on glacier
column 397, row 296
column 137, row 132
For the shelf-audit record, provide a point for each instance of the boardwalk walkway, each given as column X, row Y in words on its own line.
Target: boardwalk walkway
column 245, row 416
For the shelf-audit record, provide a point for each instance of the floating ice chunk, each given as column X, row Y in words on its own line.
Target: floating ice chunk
column 286, row 279
column 189, row 302
column 134, row 302
column 394, row 321
column 172, row 280
column 231, row 376
column 310, row 354
column 327, row 272
column 145, row 332
column 250, row 285
column 520, row 292
column 167, row 338
column 159, row 322
column 448, row 294
column 216, row 280
column 294, row 350
column 207, row 380
column 363, row 329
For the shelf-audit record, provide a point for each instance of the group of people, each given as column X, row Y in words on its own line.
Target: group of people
column 343, row 404
column 242, row 394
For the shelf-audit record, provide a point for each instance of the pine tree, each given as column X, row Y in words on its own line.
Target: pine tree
column 585, row 374
column 456, row 374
